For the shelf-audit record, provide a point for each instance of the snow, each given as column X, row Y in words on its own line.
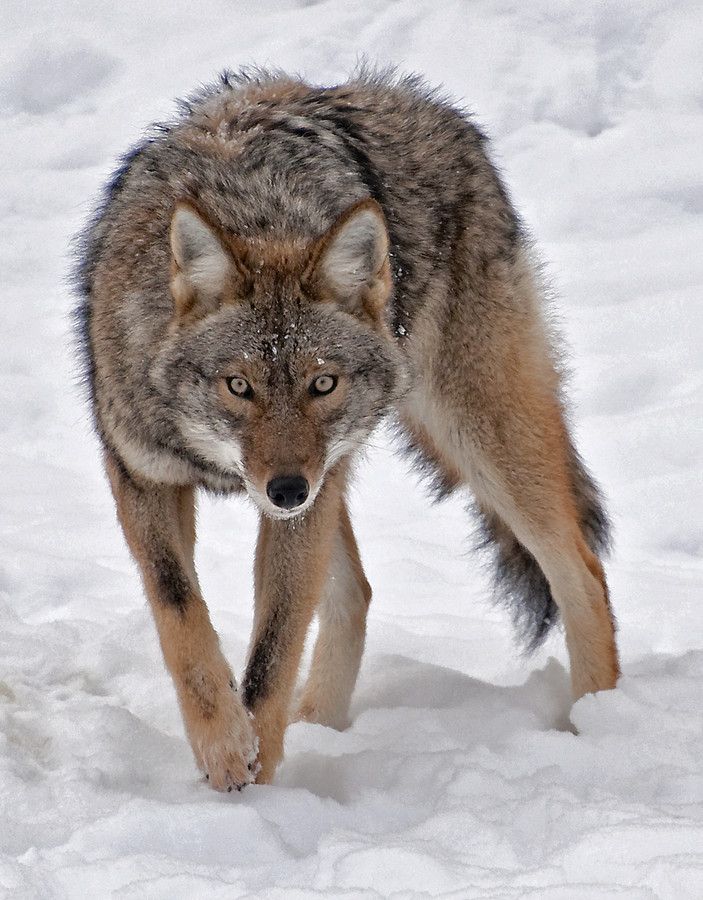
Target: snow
column 460, row 775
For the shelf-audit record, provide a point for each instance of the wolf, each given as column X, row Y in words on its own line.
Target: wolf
column 268, row 276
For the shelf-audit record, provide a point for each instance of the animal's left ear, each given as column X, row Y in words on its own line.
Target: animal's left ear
column 350, row 262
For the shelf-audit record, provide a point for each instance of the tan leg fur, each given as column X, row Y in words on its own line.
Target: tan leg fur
column 340, row 641
column 159, row 525
column 292, row 564
column 493, row 419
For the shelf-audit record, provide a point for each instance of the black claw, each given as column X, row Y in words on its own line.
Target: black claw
column 229, row 789
column 250, row 767
column 207, row 777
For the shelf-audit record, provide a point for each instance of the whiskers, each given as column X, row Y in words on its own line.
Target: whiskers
column 365, row 444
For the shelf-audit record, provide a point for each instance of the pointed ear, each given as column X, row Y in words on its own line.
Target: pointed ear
column 202, row 266
column 351, row 261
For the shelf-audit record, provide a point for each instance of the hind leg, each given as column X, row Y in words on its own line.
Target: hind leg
column 527, row 494
column 575, row 583
column 488, row 413
column 340, row 642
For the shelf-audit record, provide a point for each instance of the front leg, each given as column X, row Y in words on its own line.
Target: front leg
column 340, row 639
column 292, row 561
column 159, row 525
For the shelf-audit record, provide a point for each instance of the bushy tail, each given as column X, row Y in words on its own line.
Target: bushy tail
column 520, row 581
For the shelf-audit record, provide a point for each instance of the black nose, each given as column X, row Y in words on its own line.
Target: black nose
column 288, row 491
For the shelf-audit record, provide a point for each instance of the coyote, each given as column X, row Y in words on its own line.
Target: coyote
column 269, row 276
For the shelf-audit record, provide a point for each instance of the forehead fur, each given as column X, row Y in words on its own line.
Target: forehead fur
column 283, row 332
column 274, row 259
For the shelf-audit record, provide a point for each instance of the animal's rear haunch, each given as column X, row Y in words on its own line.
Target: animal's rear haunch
column 267, row 277
column 521, row 584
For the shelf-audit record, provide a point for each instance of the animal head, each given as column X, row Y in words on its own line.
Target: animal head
column 280, row 361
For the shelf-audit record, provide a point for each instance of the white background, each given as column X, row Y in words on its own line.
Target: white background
column 455, row 778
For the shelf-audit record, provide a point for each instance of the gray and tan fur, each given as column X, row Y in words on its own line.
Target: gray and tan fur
column 267, row 278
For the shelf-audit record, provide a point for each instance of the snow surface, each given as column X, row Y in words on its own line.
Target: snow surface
column 459, row 776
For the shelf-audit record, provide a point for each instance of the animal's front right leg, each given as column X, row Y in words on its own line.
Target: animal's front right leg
column 158, row 522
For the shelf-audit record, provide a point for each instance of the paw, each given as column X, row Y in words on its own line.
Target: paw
column 229, row 766
column 226, row 749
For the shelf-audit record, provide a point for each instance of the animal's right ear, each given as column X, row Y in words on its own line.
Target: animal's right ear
column 202, row 267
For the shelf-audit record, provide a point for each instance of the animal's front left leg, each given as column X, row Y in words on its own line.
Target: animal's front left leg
column 292, row 561
column 340, row 640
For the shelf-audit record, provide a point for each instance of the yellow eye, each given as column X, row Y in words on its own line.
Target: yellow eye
column 240, row 387
column 323, row 384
